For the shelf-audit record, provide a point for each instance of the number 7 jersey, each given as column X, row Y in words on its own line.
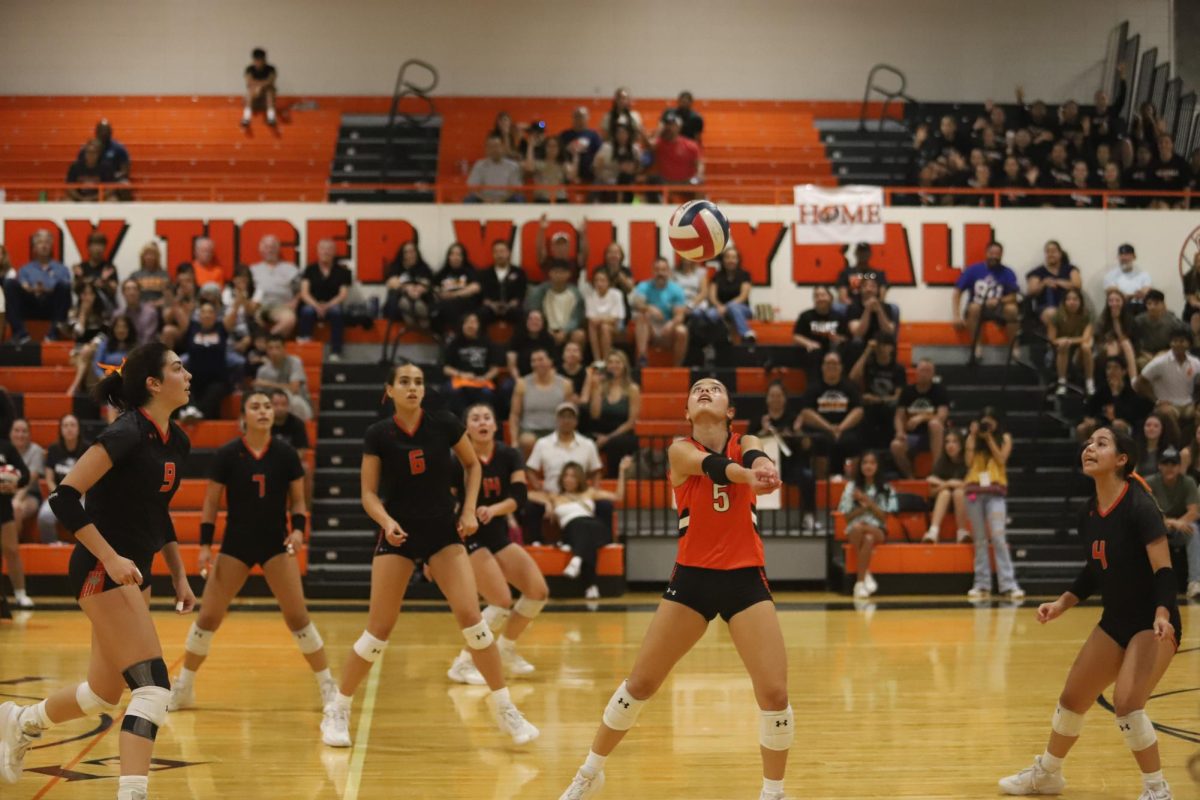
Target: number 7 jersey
column 718, row 525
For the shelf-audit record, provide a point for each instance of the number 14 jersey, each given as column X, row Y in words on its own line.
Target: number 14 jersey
column 718, row 525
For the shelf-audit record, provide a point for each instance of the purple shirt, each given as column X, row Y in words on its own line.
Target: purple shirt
column 987, row 284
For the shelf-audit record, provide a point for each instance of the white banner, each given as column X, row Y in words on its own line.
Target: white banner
column 839, row 214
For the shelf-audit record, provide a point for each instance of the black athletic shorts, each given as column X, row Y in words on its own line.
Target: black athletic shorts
column 426, row 537
column 6, row 509
column 493, row 536
column 88, row 577
column 251, row 549
column 710, row 592
column 1123, row 627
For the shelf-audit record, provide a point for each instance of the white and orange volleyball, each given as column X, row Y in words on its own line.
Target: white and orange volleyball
column 698, row 231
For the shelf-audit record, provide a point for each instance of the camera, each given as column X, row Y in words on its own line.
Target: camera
column 539, row 126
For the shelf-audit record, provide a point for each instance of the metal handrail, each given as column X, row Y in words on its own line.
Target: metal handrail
column 406, row 88
column 888, row 95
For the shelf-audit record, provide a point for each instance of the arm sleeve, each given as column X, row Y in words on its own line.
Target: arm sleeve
column 373, row 442
column 1147, row 519
column 1084, row 585
column 219, row 471
column 301, row 434
column 453, row 427
column 964, row 280
column 121, row 438
column 294, row 467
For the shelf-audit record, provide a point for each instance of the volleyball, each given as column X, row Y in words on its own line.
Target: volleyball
column 9, row 474
column 699, row 231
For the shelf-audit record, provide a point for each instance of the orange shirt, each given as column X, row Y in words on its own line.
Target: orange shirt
column 213, row 273
column 718, row 525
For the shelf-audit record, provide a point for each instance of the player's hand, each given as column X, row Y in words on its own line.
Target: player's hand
column 1163, row 629
column 484, row 514
column 1049, row 611
column 123, row 571
column 394, row 534
column 204, row 560
column 293, row 542
column 766, row 478
column 185, row 600
column 467, row 525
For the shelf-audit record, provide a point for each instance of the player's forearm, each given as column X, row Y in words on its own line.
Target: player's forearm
column 474, row 477
column 508, row 506
column 91, row 538
column 174, row 561
column 374, row 508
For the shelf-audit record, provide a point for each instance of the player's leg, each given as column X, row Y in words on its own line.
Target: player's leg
column 490, row 581
column 1096, row 666
column 759, row 641
column 1146, row 660
column 522, row 571
column 225, row 580
column 283, row 578
column 11, row 551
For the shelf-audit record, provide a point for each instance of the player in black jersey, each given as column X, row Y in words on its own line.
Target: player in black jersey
column 406, row 480
column 262, row 479
column 129, row 476
column 1129, row 563
column 14, row 474
column 496, row 560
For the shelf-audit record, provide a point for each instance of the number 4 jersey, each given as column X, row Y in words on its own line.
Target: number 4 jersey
column 415, row 473
column 718, row 525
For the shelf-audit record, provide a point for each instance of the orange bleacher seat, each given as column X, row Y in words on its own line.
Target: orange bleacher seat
column 553, row 560
column 666, row 379
column 915, row 559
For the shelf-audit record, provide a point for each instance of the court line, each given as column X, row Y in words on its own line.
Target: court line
column 359, row 756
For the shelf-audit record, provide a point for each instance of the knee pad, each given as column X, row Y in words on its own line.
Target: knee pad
column 777, row 729
column 308, row 639
column 623, row 709
column 528, row 608
column 198, row 640
column 368, row 648
column 93, row 704
column 1066, row 722
column 147, row 709
column 1137, row 730
column 479, row 636
column 495, row 616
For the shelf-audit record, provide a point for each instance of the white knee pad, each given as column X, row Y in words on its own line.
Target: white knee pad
column 148, row 703
column 622, row 709
column 1137, row 730
column 92, row 703
column 777, row 729
column 1067, row 722
column 495, row 616
column 198, row 640
column 479, row 636
column 369, row 648
column 528, row 608
column 308, row 639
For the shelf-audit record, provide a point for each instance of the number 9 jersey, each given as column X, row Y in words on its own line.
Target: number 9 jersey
column 718, row 525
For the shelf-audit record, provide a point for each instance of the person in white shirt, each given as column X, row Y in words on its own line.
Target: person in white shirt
column 604, row 307
column 550, row 455
column 496, row 171
column 1128, row 278
column 1170, row 379
column 275, row 287
column 693, row 278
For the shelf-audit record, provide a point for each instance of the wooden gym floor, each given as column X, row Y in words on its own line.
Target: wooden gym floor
column 909, row 698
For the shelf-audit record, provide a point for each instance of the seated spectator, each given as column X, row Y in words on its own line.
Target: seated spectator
column 510, row 134
column 1083, row 185
column 571, row 366
column 471, row 365
column 551, row 454
column 850, row 279
column 604, row 307
column 546, row 163
column 613, row 401
column 204, row 266
column 1055, row 171
column 677, row 159
column 779, row 422
column 1115, row 403
column 28, row 499
column 881, row 379
column 89, row 170
column 1178, row 498
column 324, row 287
column 1191, row 295
column 947, row 485
column 1046, row 285
column 293, row 430
column 60, row 459
column 621, row 112
column 205, row 345
column 987, row 450
column 1111, row 180
column 993, row 296
column 144, row 316
column 535, row 401
column 88, row 318
column 619, row 275
column 691, row 123
column 1189, row 455
column 1132, row 281
column 528, row 338
column 1153, row 327
column 581, row 140
column 457, row 290
column 260, row 87
column 152, row 279
column 241, row 315
column 1114, row 329
column 7, row 273
column 561, row 304
column 502, row 175
column 729, row 295
column 502, row 288
column 869, row 317
column 660, row 308
column 111, row 151
column 286, row 372
column 410, row 299
column 832, row 414
column 1070, row 330
column 275, row 288
column 866, row 503
column 40, row 290
column 1159, row 434
column 179, row 307
column 922, row 414
column 619, row 162
column 1171, row 173
column 822, row 328
column 1169, row 379
column 107, row 350
column 98, row 271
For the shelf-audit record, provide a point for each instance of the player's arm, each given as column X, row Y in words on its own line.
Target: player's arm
column 208, row 523
column 1165, row 588
column 755, row 470
column 66, row 503
column 519, row 490
column 373, row 504
column 472, row 477
column 298, row 528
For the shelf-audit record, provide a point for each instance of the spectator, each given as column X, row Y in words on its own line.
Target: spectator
column 527, row 339
column 98, row 271
column 88, row 170
column 1046, row 285
column 535, row 401
column 1128, row 278
column 548, row 164
column 205, row 346
column 619, row 275
column 240, row 315
column 112, row 152
column 323, row 291
column 260, row 87
column 869, row 317
column 659, row 307
column 1153, row 327
column 275, row 288
column 7, row 273
column 693, row 279
column 1115, row 404
column 604, row 307
column 678, row 160
column 152, row 279
column 60, row 459
column 1178, row 498
column 457, row 290
column 553, row 452
column 510, row 134
column 572, row 368
column 1190, row 456
column 614, row 402
column 618, row 162
column 1070, row 330
column 832, row 414
column 1140, row 176
column 866, row 503
column 1112, row 181
column 1159, row 434
column 41, row 290
column 992, row 298
column 1083, row 184
column 410, row 296
column 560, row 247
column 881, row 379
column 921, row 419
column 144, row 316
column 581, row 140
column 502, row 175
column 28, row 498
column 729, row 295
column 1055, row 172
column 621, row 113
column 294, row 431
column 850, row 279
column 204, row 266
column 1171, row 172
column 988, row 449
column 472, row 363
column 1169, row 379
column 10, row 546
column 502, row 288
column 691, row 123
column 821, row 329
column 947, row 486
column 1113, row 331
column 779, row 422
column 88, row 319
column 286, row 372
column 561, row 304
column 1191, row 295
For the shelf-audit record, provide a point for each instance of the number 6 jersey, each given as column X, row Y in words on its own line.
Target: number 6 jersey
column 718, row 525
column 415, row 472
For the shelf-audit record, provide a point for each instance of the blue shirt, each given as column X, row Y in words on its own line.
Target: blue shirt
column 588, row 155
column 987, row 284
column 664, row 299
column 33, row 274
column 115, row 154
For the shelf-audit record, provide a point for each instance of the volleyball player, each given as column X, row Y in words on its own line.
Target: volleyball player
column 495, row 559
column 406, row 480
column 261, row 477
column 14, row 475
column 1129, row 563
column 719, row 570
column 129, row 476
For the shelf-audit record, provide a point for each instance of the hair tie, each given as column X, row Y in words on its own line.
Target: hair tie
column 109, row 370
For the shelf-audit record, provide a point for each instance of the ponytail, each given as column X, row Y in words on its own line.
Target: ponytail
column 124, row 387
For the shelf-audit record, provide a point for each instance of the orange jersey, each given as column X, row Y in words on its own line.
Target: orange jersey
column 718, row 525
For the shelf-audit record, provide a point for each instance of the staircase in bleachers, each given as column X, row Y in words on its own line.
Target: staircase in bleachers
column 368, row 153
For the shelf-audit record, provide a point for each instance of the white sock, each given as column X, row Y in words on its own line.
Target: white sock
column 501, row 697
column 185, row 675
column 20, row 594
column 1152, row 780
column 128, row 784
column 323, row 675
column 594, row 764
column 33, row 719
column 507, row 643
column 1051, row 763
column 342, row 701
column 772, row 787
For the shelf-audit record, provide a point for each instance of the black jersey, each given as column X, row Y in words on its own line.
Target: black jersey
column 130, row 503
column 416, row 465
column 11, row 457
column 1116, row 542
column 498, row 470
column 256, row 487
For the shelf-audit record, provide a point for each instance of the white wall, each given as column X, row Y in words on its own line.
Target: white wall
column 950, row 49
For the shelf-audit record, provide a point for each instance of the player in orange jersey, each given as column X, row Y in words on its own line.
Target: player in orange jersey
column 716, row 475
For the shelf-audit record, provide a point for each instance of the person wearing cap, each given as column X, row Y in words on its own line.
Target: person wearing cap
column 1179, row 498
column 561, row 304
column 559, row 248
column 869, row 317
column 660, row 314
column 1153, row 327
column 992, row 296
column 849, row 280
column 881, row 379
column 260, row 87
column 1130, row 280
column 553, row 452
column 691, row 124
column 677, row 159
column 1169, row 379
